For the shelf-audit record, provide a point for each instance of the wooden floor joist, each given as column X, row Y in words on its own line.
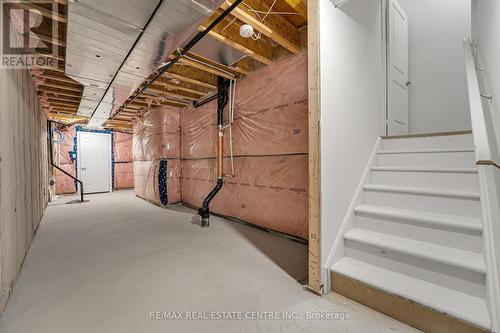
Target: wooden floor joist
column 228, row 33
column 167, row 93
column 167, row 83
column 39, row 10
column 58, row 92
column 275, row 27
column 188, row 74
column 62, row 86
column 300, row 6
column 205, row 68
column 63, row 79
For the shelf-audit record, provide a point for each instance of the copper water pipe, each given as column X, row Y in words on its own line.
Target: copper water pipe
column 220, row 157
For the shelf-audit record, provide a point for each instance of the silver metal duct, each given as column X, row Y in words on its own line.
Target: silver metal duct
column 101, row 35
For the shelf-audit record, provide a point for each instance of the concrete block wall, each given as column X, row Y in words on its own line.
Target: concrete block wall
column 24, row 172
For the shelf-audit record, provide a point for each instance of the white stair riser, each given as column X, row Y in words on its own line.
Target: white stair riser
column 430, row 142
column 471, row 283
column 437, row 160
column 470, row 241
column 440, row 180
column 436, row 204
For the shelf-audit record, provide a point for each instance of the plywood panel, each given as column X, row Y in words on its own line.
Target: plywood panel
column 405, row 310
column 23, row 173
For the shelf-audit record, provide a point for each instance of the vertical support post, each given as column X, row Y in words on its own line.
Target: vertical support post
column 315, row 265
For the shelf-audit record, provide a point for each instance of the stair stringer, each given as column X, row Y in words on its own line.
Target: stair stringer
column 489, row 184
column 337, row 250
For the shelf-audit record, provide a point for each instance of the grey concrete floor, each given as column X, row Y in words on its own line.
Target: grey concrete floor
column 107, row 265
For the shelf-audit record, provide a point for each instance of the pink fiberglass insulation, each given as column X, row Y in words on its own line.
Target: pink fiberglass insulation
column 270, row 144
column 124, row 175
column 122, row 147
column 156, row 184
column 65, row 184
column 157, row 134
column 66, row 145
column 270, row 114
column 269, row 191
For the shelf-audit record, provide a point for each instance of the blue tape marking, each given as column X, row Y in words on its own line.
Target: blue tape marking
column 162, row 182
column 81, row 129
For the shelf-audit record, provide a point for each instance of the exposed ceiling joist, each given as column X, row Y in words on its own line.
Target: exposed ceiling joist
column 58, row 92
column 42, row 11
column 159, row 90
column 62, row 99
column 49, row 39
column 186, row 74
column 168, row 84
column 300, row 6
column 275, row 27
column 233, row 72
column 64, row 79
column 62, row 86
column 228, row 33
column 205, row 68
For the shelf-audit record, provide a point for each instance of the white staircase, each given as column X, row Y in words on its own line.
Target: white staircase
column 415, row 230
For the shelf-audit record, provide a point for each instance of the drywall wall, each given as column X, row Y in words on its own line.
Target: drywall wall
column 438, row 91
column 351, row 104
column 486, row 32
column 486, row 35
column 23, row 173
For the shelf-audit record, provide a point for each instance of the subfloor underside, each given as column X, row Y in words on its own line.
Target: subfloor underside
column 120, row 264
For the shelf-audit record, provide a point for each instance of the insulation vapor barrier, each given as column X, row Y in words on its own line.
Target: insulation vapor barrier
column 64, row 184
column 157, row 150
column 157, row 135
column 270, row 115
column 269, row 143
column 124, row 160
column 269, row 191
column 158, row 181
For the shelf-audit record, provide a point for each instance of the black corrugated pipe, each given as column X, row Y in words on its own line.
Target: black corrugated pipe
column 222, row 99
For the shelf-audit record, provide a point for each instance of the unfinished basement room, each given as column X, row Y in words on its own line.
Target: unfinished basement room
column 249, row 166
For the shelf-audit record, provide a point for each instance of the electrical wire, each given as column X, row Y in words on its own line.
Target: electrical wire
column 229, row 125
column 232, row 21
column 258, row 35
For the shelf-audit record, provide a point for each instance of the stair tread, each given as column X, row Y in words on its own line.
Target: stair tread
column 427, row 150
column 424, row 169
column 421, row 190
column 422, row 217
column 454, row 303
column 467, row 260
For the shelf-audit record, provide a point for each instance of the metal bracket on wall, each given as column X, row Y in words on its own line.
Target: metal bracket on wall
column 487, row 96
column 338, row 3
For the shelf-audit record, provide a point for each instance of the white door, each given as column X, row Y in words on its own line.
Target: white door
column 397, row 70
column 94, row 161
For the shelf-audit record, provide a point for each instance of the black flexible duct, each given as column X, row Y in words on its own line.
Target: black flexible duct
column 222, row 99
